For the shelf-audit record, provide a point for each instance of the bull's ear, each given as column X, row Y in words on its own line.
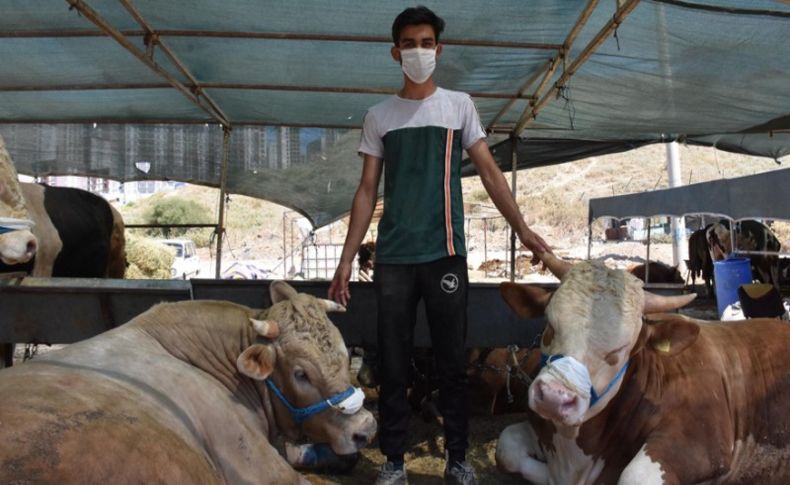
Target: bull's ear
column 280, row 290
column 671, row 337
column 257, row 361
column 527, row 301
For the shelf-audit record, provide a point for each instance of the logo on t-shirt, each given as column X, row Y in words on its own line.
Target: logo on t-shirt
column 449, row 283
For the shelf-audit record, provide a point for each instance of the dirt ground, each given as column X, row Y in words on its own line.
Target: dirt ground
column 425, row 456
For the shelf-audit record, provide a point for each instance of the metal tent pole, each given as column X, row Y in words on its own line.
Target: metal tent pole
column 647, row 260
column 513, row 178
column 301, row 36
column 679, row 250
column 223, row 179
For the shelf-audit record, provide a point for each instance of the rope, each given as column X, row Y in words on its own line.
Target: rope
column 513, row 369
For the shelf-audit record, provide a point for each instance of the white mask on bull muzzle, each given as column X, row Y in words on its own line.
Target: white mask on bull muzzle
column 418, row 63
column 352, row 403
column 572, row 374
column 16, row 224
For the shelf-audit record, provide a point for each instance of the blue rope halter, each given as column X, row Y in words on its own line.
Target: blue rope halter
column 301, row 414
column 594, row 396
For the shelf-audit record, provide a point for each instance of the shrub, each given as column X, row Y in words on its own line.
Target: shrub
column 175, row 210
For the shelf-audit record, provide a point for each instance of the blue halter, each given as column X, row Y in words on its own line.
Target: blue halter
column 4, row 229
column 301, row 414
column 594, row 396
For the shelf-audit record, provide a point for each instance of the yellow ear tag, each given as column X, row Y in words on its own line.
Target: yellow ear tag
column 663, row 345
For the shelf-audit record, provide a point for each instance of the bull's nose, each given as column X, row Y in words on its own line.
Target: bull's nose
column 554, row 394
column 30, row 250
column 554, row 399
column 361, row 440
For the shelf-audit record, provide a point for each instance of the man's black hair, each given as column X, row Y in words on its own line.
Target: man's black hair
column 416, row 16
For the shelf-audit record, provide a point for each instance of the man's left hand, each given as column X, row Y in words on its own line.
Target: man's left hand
column 534, row 243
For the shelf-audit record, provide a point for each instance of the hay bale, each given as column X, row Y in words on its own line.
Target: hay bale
column 148, row 259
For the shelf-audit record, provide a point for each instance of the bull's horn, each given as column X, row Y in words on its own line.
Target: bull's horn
column 266, row 328
column 557, row 266
column 657, row 303
column 331, row 305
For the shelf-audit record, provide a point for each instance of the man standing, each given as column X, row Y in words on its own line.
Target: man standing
column 417, row 137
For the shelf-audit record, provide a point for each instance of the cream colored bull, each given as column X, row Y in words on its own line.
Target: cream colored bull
column 190, row 392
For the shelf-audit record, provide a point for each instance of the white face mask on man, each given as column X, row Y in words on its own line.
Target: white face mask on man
column 418, row 63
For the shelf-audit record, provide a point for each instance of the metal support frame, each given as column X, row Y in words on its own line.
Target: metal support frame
column 647, row 259
column 167, row 226
column 223, row 178
column 153, row 39
column 143, row 57
column 513, row 180
column 520, row 94
column 200, row 87
column 530, row 114
column 560, row 57
column 37, row 34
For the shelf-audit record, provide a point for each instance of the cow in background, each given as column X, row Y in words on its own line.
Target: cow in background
column 625, row 394
column 659, row 272
column 18, row 244
column 750, row 235
column 700, row 262
column 366, row 258
column 56, row 231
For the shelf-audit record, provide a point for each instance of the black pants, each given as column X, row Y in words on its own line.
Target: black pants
column 443, row 286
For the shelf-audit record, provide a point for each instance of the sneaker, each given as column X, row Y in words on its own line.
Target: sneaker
column 392, row 475
column 460, row 473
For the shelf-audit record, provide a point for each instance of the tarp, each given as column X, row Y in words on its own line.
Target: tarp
column 761, row 196
column 701, row 72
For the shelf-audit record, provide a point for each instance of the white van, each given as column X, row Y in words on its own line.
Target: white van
column 186, row 263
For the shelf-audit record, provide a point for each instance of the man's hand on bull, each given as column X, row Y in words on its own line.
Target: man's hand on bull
column 532, row 241
column 338, row 290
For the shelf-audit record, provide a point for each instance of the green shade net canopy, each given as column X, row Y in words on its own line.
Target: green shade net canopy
column 294, row 79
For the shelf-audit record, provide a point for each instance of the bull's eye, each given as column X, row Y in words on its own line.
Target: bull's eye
column 611, row 357
column 301, row 376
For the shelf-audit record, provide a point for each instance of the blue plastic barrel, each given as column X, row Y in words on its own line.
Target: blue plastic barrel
column 729, row 274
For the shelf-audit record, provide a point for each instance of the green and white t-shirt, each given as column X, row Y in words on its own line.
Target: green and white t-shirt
column 421, row 143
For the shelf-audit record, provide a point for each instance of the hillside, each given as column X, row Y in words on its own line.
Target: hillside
column 554, row 200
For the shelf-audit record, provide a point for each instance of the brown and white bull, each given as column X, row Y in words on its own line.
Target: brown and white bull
column 630, row 398
column 188, row 392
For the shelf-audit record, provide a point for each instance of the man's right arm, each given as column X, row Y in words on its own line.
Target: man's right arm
column 361, row 213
